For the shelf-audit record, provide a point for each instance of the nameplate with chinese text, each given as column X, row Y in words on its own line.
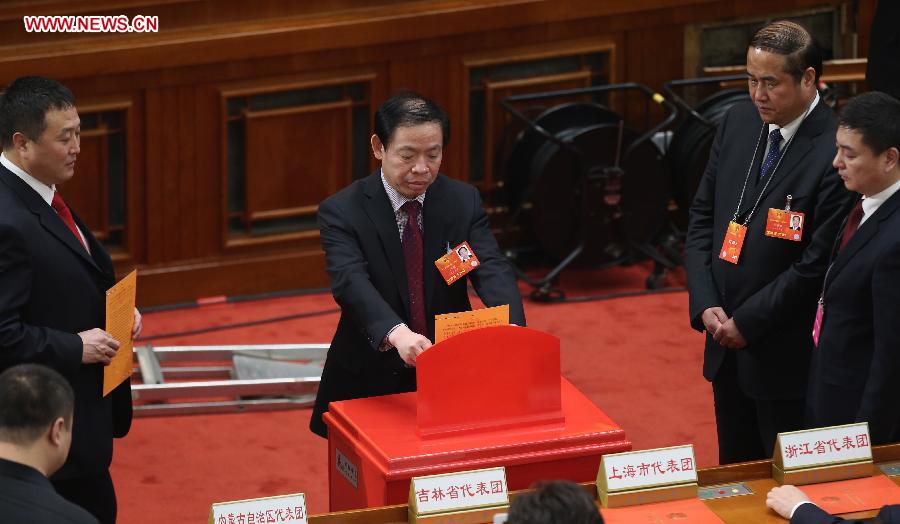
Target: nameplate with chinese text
column 823, row 447
column 458, row 492
column 283, row 509
column 346, row 467
column 649, row 468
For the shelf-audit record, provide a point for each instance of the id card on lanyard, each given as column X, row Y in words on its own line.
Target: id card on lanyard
column 737, row 231
column 734, row 242
column 785, row 223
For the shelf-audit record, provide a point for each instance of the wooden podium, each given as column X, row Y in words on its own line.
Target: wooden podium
column 489, row 397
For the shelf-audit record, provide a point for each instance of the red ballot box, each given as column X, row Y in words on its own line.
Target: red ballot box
column 486, row 398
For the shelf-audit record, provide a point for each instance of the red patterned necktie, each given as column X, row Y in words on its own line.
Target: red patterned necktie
column 63, row 211
column 412, row 255
column 852, row 224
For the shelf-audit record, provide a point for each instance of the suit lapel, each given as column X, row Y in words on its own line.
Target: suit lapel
column 98, row 253
column 434, row 241
column 799, row 147
column 52, row 223
column 762, row 139
column 863, row 235
column 48, row 218
column 378, row 207
column 845, row 211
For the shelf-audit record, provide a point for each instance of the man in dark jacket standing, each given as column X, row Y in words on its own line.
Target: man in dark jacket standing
column 53, row 280
column 752, row 279
column 857, row 359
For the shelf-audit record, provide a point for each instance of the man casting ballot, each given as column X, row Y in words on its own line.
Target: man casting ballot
column 382, row 236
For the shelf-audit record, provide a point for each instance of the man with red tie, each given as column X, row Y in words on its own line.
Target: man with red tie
column 382, row 236
column 856, row 364
column 53, row 278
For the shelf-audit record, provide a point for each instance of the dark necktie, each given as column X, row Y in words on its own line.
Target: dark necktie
column 412, row 255
column 63, row 211
column 772, row 157
column 852, row 225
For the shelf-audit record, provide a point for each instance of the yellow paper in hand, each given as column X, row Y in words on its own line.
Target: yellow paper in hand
column 447, row 325
column 119, row 323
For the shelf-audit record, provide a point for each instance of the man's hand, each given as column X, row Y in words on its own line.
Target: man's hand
column 729, row 335
column 136, row 329
column 713, row 318
column 783, row 499
column 408, row 343
column 97, row 346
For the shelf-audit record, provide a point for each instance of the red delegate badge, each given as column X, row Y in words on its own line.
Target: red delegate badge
column 457, row 263
column 734, row 242
column 785, row 224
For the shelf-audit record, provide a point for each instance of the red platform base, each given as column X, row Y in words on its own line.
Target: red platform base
column 375, row 449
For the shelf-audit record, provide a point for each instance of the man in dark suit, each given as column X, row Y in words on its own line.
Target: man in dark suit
column 53, row 279
column 791, row 503
column 36, row 405
column 754, row 293
column 381, row 237
column 857, row 361
column 883, row 66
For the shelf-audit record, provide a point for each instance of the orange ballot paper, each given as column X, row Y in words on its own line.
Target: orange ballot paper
column 445, row 326
column 119, row 321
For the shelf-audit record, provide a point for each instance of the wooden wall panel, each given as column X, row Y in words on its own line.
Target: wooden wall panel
column 296, row 157
column 176, row 190
column 173, row 82
column 154, row 188
column 433, row 76
column 206, row 162
column 136, row 200
column 85, row 192
column 192, row 204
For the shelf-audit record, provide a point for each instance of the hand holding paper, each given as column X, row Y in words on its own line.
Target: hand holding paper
column 445, row 326
column 409, row 344
column 138, row 325
column 97, row 346
column 121, row 317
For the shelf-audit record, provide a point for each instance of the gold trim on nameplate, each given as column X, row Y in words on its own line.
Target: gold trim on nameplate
column 635, row 497
column 468, row 516
column 826, row 473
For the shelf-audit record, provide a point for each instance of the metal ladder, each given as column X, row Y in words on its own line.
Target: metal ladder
column 183, row 380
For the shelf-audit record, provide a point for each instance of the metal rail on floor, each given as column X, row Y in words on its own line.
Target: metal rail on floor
column 183, row 380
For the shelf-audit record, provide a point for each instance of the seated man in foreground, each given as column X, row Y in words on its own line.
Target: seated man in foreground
column 36, row 406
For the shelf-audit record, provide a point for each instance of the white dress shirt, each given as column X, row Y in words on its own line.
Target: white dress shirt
column 870, row 204
column 46, row 192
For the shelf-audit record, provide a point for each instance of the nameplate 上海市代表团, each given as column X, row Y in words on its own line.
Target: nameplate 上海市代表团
column 643, row 477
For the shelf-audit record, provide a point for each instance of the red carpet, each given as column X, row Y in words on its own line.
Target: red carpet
column 634, row 357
